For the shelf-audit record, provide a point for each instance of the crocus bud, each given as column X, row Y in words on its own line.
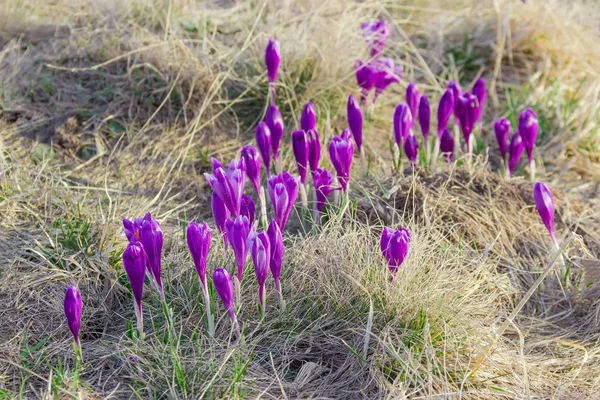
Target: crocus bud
column 248, row 209
column 403, row 120
column 411, row 149
column 308, row 119
column 376, row 35
column 73, row 306
column 300, row 148
column 238, row 232
column 314, row 149
column 261, row 256
column 272, row 58
column 394, row 247
column 236, row 174
column 341, row 151
column 515, row 149
column 252, row 162
column 132, row 229
column 412, row 98
column 479, row 92
column 445, row 110
column 456, row 90
column 528, row 128
column 386, row 73
column 274, row 121
column 424, row 116
column 365, row 77
column 467, row 113
column 225, row 289
column 198, row 240
column 276, row 241
column 545, row 207
column 220, row 215
column 152, row 239
column 283, row 191
column 355, row 120
column 134, row 261
column 263, row 142
column 447, row 145
column 502, row 131
column 323, row 181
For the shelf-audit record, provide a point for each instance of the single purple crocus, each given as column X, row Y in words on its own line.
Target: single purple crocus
column 252, row 162
column 376, row 35
column 134, row 261
column 225, row 289
column 403, row 120
column 263, row 142
column 151, row 237
column 198, row 240
column 229, row 185
column 341, row 151
column 308, row 119
column 272, row 59
column 314, row 149
column 301, row 150
column 412, row 98
column 276, row 260
column 515, row 149
column 274, row 121
column 355, row 120
column 323, row 186
column 467, row 113
column 132, row 229
column 73, row 306
column 424, row 116
column 261, row 256
column 365, row 77
column 239, row 232
column 445, row 110
column 447, row 146
column 502, row 131
column 528, row 128
column 283, row 191
column 479, row 92
column 220, row 215
column 411, row 149
column 394, row 246
column 386, row 74
column 544, row 203
column 248, row 209
column 456, row 90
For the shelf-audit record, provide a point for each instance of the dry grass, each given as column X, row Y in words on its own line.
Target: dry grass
column 110, row 110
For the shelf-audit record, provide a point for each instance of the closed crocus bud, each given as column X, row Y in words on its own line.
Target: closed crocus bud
column 365, row 77
column 73, row 306
column 515, row 149
column 424, row 116
column 355, row 120
column 479, row 92
column 252, row 161
column 386, row 74
column 283, row 192
column 502, row 131
column 545, row 207
column 445, row 110
column 308, row 119
column 263, row 142
column 238, row 232
column 225, row 289
column 528, row 128
column 151, row 237
column 411, row 149
column 222, row 187
column 198, row 240
column 272, row 58
column 394, row 247
column 314, row 149
column 456, row 90
column 341, row 151
column 274, row 121
column 412, row 98
column 403, row 120
column 220, row 215
column 134, row 261
column 236, row 175
column 447, row 145
column 323, row 181
column 467, row 113
column 132, row 229
column 276, row 260
column 300, row 148
column 248, row 209
column 261, row 255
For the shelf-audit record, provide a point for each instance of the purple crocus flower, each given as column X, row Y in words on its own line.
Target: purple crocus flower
column 445, row 110
column 274, row 121
column 134, row 261
column 239, row 233
column 386, row 74
column 198, row 240
column 403, row 120
column 456, row 90
column 263, row 142
column 341, row 151
column 355, row 120
column 301, row 151
column 502, row 131
column 283, row 191
column 467, row 114
column 376, row 35
column 261, row 256
column 252, row 162
column 365, row 77
column 314, row 149
column 132, row 229
column 411, row 149
column 394, row 246
column 479, row 92
column 323, row 186
column 220, row 215
column 424, row 116
column 308, row 119
column 229, row 185
column 73, row 306
column 515, row 149
column 272, row 58
column 276, row 260
column 528, row 128
column 151, row 238
column 248, row 209
column 544, row 203
column 225, row 289
column 412, row 98
column 447, row 145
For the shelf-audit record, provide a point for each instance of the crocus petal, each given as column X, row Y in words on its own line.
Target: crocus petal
column 252, row 161
column 274, row 121
column 502, row 131
column 515, row 149
column 308, row 119
column 151, row 237
column 447, row 145
column 445, row 110
column 248, row 208
column 263, row 142
column 301, row 150
column 424, row 116
column 73, row 307
column 528, row 128
column 225, row 289
column 411, row 148
column 314, row 149
column 198, row 240
column 355, row 120
column 544, row 202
